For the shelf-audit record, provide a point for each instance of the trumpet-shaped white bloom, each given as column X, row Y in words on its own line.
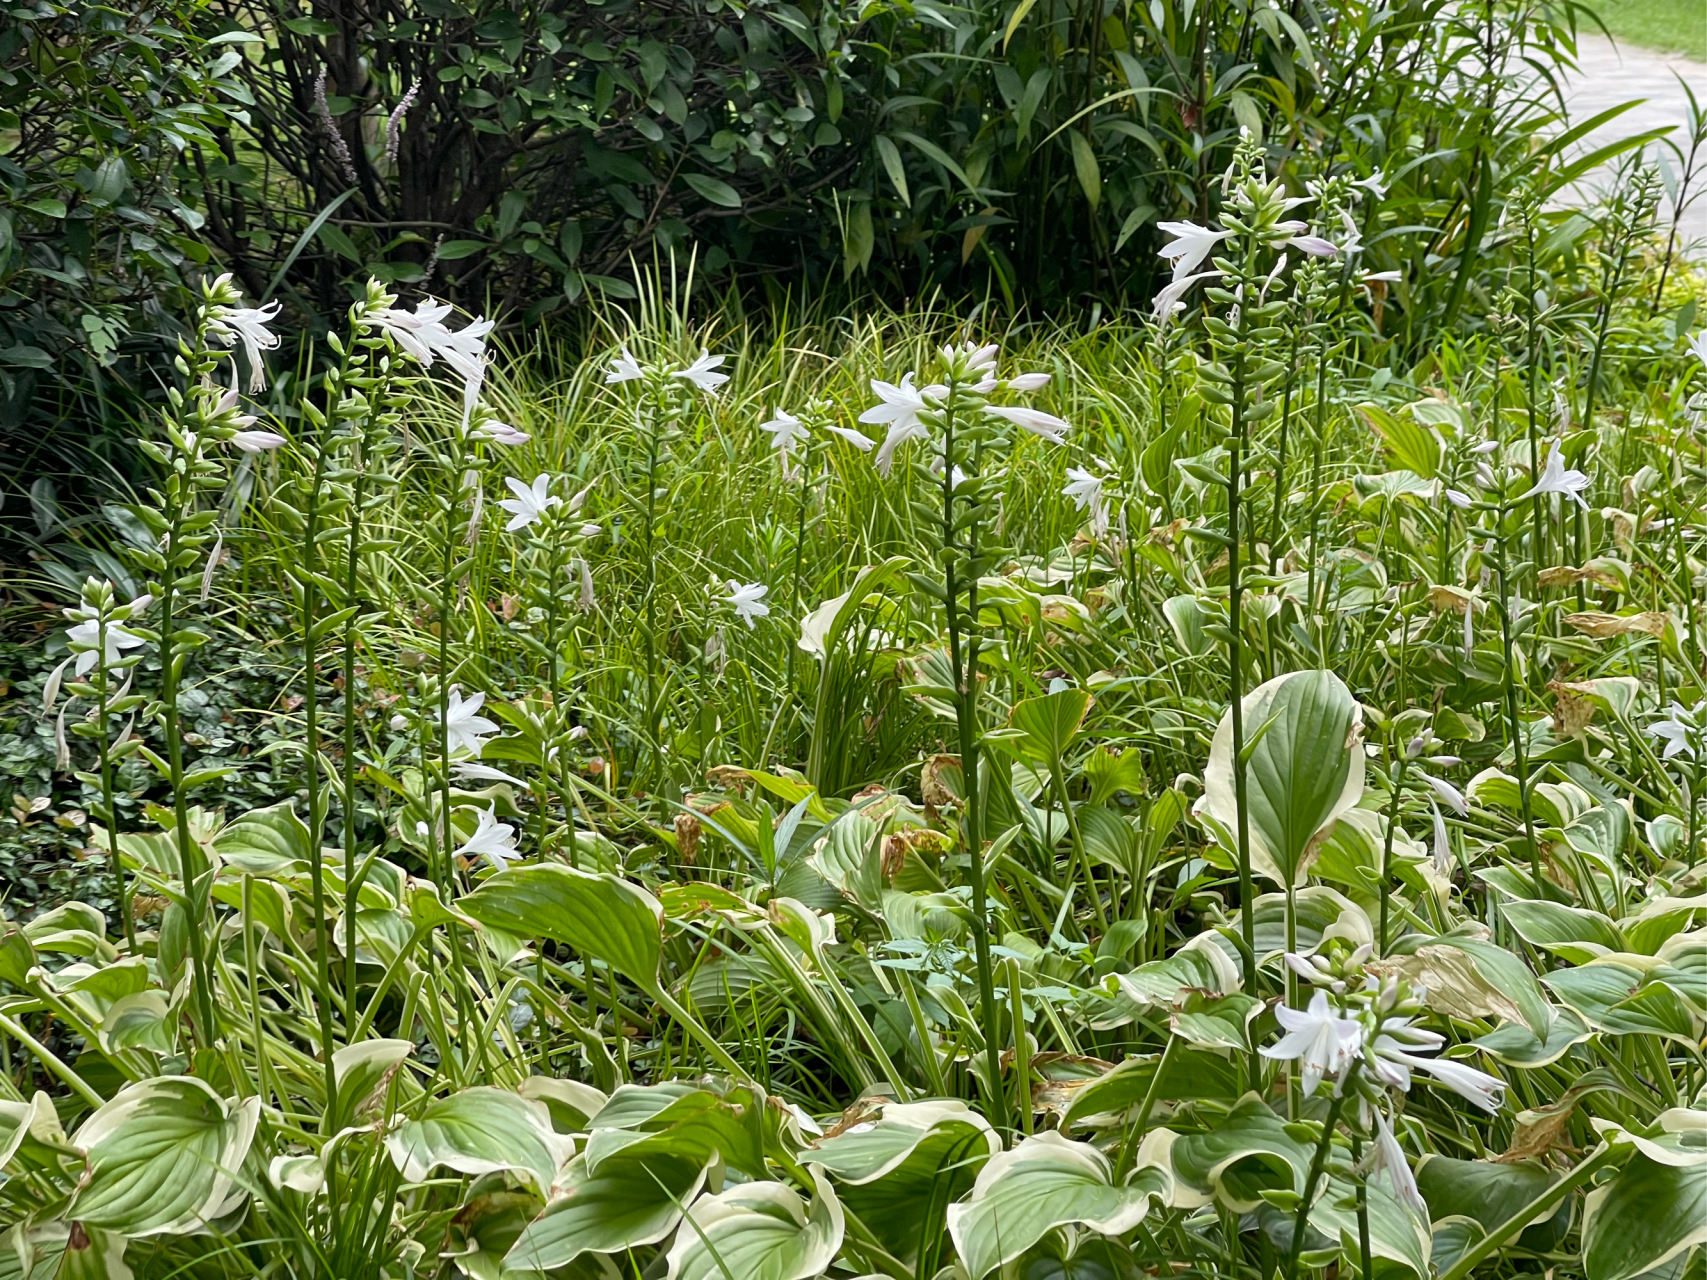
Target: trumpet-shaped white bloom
column 1388, row 1158
column 786, row 431
column 249, row 326
column 1442, row 847
column 465, row 728
column 899, row 408
column 501, row 433
column 625, row 368
column 493, row 840
column 1027, row 381
column 1321, row 1037
column 1169, row 300
column 88, row 632
column 1085, row 488
column 1035, row 421
column 1698, row 344
column 703, row 372
column 1447, row 792
column 530, row 502
column 1190, row 246
column 1391, row 1058
column 257, row 441
column 1555, row 478
column 1676, row 732
column 419, row 332
column 857, row 439
column 748, row 600
column 484, row 773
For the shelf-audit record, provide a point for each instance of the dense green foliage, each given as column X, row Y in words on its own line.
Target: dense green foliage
column 1209, row 797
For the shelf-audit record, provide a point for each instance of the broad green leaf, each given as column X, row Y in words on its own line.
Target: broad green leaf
column 32, row 1125
column 759, row 1231
column 616, row 921
column 1471, row 978
column 1199, row 965
column 628, row 1203
column 1245, row 1154
column 1620, row 999
column 571, row 1103
column 900, row 1172
column 1215, row 1022
column 697, row 1126
column 1305, row 769
column 1516, row 1045
column 481, row 1130
column 162, row 1158
column 1412, row 443
column 1490, row 1193
column 713, row 189
column 1049, row 723
column 1046, row 1182
column 140, row 1021
column 1190, row 1073
column 1394, row 1231
column 363, row 1072
column 1575, row 933
column 1085, row 168
column 1112, row 769
column 265, row 841
column 93, row 1254
column 822, row 629
column 1646, row 1216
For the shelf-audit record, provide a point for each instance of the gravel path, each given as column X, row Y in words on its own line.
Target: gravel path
column 1611, row 74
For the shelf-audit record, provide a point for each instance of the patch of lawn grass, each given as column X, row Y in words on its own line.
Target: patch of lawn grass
column 1672, row 26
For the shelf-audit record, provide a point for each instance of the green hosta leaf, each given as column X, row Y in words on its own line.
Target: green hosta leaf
column 1247, row 1153
column 1489, row 1193
column 1413, row 444
column 628, row 1203
column 1215, row 1022
column 364, row 1071
column 900, row 1173
column 759, row 1231
column 1112, row 769
column 1190, row 1073
column 1575, row 933
column 821, row 630
column 481, row 1130
column 162, row 1158
column 1472, row 978
column 1620, row 999
column 93, row 1254
column 1394, row 1231
column 1049, row 723
column 1320, row 913
column 1046, row 1182
column 1646, row 1216
column 1516, row 1045
column 140, row 1021
column 697, row 1125
column 1199, row 965
column 618, row 922
column 1305, row 769
column 265, row 841
column 30, row 1126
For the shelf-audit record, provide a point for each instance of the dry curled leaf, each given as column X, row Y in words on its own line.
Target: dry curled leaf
column 1605, row 626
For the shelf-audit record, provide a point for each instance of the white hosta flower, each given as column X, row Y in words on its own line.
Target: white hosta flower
column 1383, row 277
column 257, row 441
column 703, row 372
column 899, row 409
column 748, row 600
column 857, row 439
column 88, row 632
column 1168, row 301
column 501, row 433
column 1447, row 792
column 978, row 359
column 249, row 326
column 1698, row 345
column 1027, row 382
column 1297, row 235
column 1035, row 421
column 786, row 432
column 1190, row 246
column 465, row 728
column 1085, row 489
column 1375, row 184
column 493, row 840
column 419, row 332
column 625, row 368
column 1555, row 478
column 1676, row 732
column 1485, row 448
column 1321, row 1037
column 1442, row 847
column 484, row 773
column 1391, row 1058
column 1459, row 499
column 1388, row 1158
column 530, row 502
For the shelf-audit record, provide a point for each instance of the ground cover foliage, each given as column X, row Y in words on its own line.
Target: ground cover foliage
column 899, row 798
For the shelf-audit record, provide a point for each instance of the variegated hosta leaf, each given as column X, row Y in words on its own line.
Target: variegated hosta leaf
column 28, row 1124
column 1656, row 1207
column 363, row 1072
column 626, row 1204
column 900, row 1173
column 1248, row 1152
column 758, row 1231
column 1046, row 1182
column 163, row 1157
column 1622, row 994
column 616, row 921
column 1303, row 772
column 1489, row 1193
column 1395, row 1233
column 481, row 1130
